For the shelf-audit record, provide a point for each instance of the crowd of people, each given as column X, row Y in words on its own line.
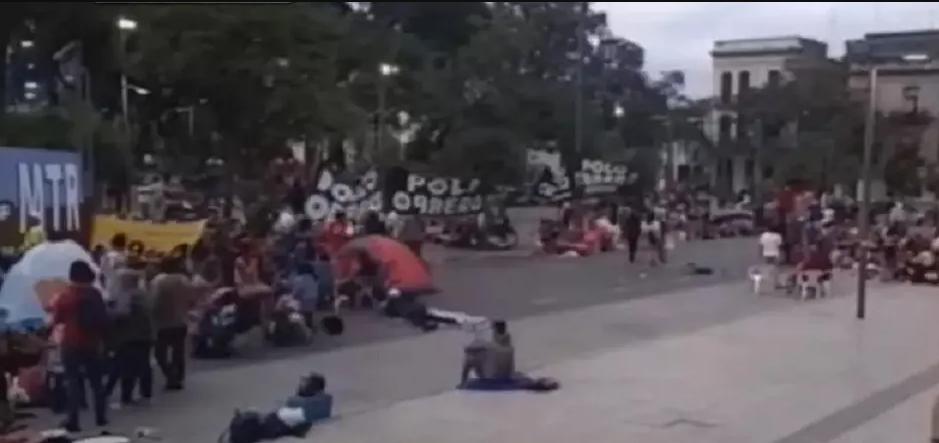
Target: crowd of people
column 817, row 233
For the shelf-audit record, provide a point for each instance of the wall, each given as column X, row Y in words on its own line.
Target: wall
column 890, row 99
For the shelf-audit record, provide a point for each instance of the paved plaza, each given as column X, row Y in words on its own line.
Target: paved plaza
column 643, row 355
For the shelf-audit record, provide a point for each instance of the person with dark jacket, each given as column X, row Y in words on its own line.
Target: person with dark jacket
column 81, row 312
column 632, row 230
column 172, row 299
column 133, row 330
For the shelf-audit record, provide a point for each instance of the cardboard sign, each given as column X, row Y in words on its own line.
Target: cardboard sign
column 353, row 198
column 437, row 196
column 159, row 237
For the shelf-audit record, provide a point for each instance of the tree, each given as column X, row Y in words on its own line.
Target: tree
column 263, row 74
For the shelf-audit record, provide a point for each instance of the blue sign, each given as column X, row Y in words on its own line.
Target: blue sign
column 40, row 186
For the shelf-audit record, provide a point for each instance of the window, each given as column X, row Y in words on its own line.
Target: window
column 727, row 84
column 911, row 95
column 742, row 127
column 726, row 124
column 775, row 78
column 743, row 82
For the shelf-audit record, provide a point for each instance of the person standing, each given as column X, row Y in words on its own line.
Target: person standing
column 412, row 233
column 632, row 230
column 652, row 228
column 134, row 330
column 771, row 245
column 338, row 232
column 113, row 260
column 171, row 295
column 82, row 314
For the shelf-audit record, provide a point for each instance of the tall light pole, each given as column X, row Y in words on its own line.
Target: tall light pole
column 865, row 203
column 863, row 221
column 579, row 78
column 124, row 26
column 385, row 70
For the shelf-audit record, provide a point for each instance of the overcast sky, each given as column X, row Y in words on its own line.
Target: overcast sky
column 680, row 35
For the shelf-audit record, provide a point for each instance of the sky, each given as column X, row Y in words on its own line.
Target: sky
column 680, row 35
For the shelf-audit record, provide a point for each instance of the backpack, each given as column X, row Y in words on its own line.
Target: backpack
column 92, row 312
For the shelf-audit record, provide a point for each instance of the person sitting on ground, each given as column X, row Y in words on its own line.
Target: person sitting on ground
column 817, row 260
column 490, row 360
column 323, row 269
column 288, row 326
column 217, row 326
column 304, row 287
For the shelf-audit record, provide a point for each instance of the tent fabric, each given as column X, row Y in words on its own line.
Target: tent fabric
column 403, row 269
column 41, row 273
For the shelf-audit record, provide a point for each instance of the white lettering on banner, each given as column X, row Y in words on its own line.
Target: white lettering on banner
column 32, row 180
column 449, row 205
column 317, row 207
column 455, row 188
column 72, row 192
column 415, row 181
column 370, row 180
column 437, row 186
column 473, row 185
column 325, row 181
column 31, row 201
column 435, row 207
column 401, row 201
column 54, row 175
column 420, row 203
column 342, row 193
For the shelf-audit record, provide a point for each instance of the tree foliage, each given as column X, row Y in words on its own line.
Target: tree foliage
column 477, row 84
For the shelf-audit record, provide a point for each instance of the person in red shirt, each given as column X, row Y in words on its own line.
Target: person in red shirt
column 338, row 232
column 81, row 312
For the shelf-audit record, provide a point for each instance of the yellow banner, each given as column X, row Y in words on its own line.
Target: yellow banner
column 160, row 237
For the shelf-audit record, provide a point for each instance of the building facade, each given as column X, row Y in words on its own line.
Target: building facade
column 738, row 67
column 907, row 98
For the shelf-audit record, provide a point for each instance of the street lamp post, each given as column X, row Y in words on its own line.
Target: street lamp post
column 124, row 25
column 385, row 70
column 865, row 203
column 864, row 207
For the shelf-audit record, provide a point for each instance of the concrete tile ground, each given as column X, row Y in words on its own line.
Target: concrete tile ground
column 811, row 373
column 708, row 364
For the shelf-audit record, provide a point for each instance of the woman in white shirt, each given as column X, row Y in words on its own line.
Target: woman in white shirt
column 652, row 229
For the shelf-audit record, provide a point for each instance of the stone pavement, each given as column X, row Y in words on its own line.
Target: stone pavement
column 707, row 364
column 374, row 376
column 809, row 373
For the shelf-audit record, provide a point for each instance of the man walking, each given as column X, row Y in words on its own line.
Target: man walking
column 632, row 230
column 171, row 302
column 82, row 314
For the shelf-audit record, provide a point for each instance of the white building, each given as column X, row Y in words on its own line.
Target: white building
column 907, row 94
column 738, row 66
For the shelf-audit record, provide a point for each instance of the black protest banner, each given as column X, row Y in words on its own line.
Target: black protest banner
column 352, row 196
column 435, row 196
column 595, row 178
column 598, row 177
column 552, row 187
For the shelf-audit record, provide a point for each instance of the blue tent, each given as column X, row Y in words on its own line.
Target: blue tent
column 21, row 305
